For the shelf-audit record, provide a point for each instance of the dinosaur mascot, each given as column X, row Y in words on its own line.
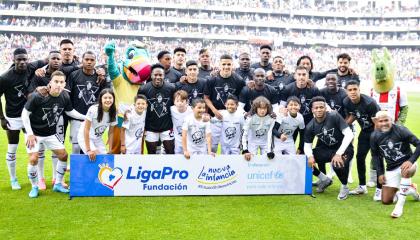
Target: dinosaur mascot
column 127, row 76
column 386, row 92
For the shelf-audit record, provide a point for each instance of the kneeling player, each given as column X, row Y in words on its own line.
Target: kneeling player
column 392, row 142
column 333, row 145
column 41, row 129
column 196, row 134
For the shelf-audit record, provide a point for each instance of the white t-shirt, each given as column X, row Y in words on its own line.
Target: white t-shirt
column 97, row 129
column 232, row 125
column 258, row 131
column 134, row 129
column 196, row 134
column 177, row 121
column 289, row 124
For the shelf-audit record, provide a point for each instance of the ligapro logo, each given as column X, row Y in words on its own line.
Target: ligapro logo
column 217, row 177
column 109, row 177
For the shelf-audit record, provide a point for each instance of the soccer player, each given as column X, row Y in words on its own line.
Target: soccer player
column 258, row 129
column 217, row 89
column 193, row 85
column 132, row 130
column 98, row 118
column 13, row 84
column 248, row 95
column 196, row 133
column 158, row 118
column 307, row 62
column 40, row 117
column 333, row 145
column 265, row 55
column 333, row 94
column 285, row 126
column 67, row 52
column 204, row 57
column 179, row 112
column 392, row 143
column 361, row 108
column 54, row 64
column 245, row 71
column 232, row 124
column 179, row 60
column 165, row 59
column 280, row 79
column 344, row 73
column 85, row 91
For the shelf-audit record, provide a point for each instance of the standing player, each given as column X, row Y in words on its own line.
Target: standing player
column 258, row 129
column 361, row 108
column 265, row 55
column 179, row 112
column 248, row 95
column 333, row 94
column 67, row 52
column 285, row 126
column 232, row 124
column 132, row 130
column 205, row 69
column 13, row 84
column 245, row 71
column 392, row 143
column 193, row 85
column 333, row 145
column 280, row 79
column 171, row 75
column 344, row 72
column 179, row 60
column 196, row 134
column 158, row 118
column 218, row 88
column 40, row 117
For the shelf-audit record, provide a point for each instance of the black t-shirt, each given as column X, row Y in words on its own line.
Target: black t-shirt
column 305, row 96
column 248, row 95
column 328, row 132
column 219, row 88
column 335, row 100
column 245, row 74
column 14, row 85
column 46, row 111
column 181, row 71
column 158, row 117
column 269, row 67
column 204, row 73
column 280, row 81
column 43, row 81
column 194, row 90
column 363, row 111
column 84, row 91
column 172, row 75
column 394, row 147
column 342, row 80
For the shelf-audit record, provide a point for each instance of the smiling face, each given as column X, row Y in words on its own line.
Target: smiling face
column 319, row 109
column 226, row 66
column 293, row 107
column 107, row 100
column 231, row 105
column 199, row 109
column 331, row 81
column 353, row 92
column 301, row 76
column 262, row 111
column 140, row 105
column 343, row 65
column 383, row 123
column 157, row 77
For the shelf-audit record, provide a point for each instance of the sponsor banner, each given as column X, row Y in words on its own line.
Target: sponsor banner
column 171, row 175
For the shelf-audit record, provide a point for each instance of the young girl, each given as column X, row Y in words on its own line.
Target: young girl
column 196, row 134
column 286, row 125
column 258, row 129
column 132, row 130
column 179, row 112
column 232, row 124
column 98, row 118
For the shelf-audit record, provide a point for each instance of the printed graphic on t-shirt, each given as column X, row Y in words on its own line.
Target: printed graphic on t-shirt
column 100, row 130
column 334, row 105
column 230, row 132
column 392, row 150
column 259, row 133
column 87, row 93
column 224, row 92
column 139, row 133
column 159, row 105
column 52, row 115
column 19, row 90
column 305, row 105
column 327, row 136
column 363, row 119
column 198, row 136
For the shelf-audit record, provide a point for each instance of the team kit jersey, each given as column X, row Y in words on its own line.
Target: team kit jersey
column 134, row 130
column 219, row 88
column 287, row 126
column 305, row 96
column 363, row 111
column 194, row 90
column 248, row 95
column 232, row 125
column 258, row 134
column 178, row 120
column 97, row 129
column 196, row 135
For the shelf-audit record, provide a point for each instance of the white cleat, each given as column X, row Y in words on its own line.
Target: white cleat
column 377, row 197
column 359, row 190
column 344, row 193
column 371, row 184
column 398, row 211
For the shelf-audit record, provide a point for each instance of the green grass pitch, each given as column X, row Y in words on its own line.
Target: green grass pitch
column 54, row 216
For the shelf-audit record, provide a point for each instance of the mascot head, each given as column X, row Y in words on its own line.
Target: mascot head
column 382, row 71
column 136, row 63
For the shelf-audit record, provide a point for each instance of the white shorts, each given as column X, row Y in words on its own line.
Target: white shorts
column 15, row 123
column 284, row 148
column 95, row 145
column 74, row 130
column 393, row 177
column 50, row 142
column 253, row 148
column 163, row 136
column 226, row 150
